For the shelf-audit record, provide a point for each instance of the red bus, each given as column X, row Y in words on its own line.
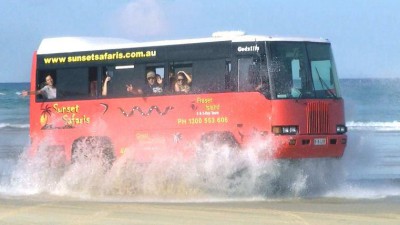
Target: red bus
column 244, row 89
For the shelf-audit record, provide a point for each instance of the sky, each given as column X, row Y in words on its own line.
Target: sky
column 365, row 34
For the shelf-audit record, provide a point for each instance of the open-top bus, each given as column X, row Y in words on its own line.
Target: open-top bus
column 279, row 90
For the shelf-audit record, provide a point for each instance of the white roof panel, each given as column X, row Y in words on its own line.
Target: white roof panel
column 81, row 44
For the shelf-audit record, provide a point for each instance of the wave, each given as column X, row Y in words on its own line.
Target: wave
column 352, row 125
column 17, row 93
column 8, row 125
column 374, row 126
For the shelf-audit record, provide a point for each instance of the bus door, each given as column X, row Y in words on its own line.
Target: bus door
column 245, row 67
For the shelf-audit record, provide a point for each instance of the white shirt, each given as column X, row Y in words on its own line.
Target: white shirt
column 48, row 92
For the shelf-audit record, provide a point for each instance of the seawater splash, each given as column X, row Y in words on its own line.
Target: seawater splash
column 217, row 172
column 370, row 170
column 393, row 126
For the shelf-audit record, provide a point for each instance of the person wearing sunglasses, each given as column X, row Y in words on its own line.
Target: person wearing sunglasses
column 183, row 82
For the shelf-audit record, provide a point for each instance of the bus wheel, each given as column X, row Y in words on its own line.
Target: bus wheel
column 93, row 148
column 219, row 139
column 53, row 155
column 218, row 156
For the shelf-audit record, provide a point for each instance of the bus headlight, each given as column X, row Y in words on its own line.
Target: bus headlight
column 285, row 129
column 341, row 129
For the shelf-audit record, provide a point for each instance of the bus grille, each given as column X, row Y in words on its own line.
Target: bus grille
column 317, row 118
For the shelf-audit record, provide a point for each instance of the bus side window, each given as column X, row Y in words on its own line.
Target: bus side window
column 93, row 82
column 120, row 77
column 246, row 73
column 160, row 83
column 254, row 76
column 171, row 79
column 41, row 82
column 73, row 83
column 210, row 75
column 229, row 81
column 39, row 87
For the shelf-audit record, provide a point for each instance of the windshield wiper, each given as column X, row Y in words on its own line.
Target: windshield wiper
column 325, row 85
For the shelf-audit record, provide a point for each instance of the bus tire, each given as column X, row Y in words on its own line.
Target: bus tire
column 92, row 147
column 219, row 138
column 53, row 155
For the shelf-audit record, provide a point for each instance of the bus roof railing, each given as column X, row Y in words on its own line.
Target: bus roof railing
column 82, row 44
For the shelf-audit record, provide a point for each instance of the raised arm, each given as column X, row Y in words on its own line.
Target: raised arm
column 188, row 77
column 26, row 93
column 104, row 91
column 133, row 90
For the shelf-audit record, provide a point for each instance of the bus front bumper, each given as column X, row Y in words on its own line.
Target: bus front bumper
column 309, row 146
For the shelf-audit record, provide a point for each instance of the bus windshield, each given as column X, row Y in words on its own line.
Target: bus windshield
column 302, row 70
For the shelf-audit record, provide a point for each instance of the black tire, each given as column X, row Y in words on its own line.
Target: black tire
column 92, row 147
column 220, row 139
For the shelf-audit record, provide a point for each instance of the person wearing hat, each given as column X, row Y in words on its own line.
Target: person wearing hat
column 152, row 86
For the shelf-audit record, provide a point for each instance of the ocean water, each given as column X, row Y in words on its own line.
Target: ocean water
column 369, row 169
column 14, row 124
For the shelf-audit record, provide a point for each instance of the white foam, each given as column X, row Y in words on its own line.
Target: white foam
column 363, row 191
column 9, row 125
column 215, row 174
column 374, row 125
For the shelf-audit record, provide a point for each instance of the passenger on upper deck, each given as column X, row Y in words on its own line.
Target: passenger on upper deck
column 183, row 82
column 48, row 92
column 151, row 88
column 160, row 82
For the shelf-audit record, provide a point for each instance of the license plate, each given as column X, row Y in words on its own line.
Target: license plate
column 320, row 141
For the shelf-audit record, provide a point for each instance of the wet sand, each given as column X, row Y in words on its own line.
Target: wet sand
column 315, row 211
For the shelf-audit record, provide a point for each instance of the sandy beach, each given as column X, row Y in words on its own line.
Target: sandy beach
column 303, row 211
